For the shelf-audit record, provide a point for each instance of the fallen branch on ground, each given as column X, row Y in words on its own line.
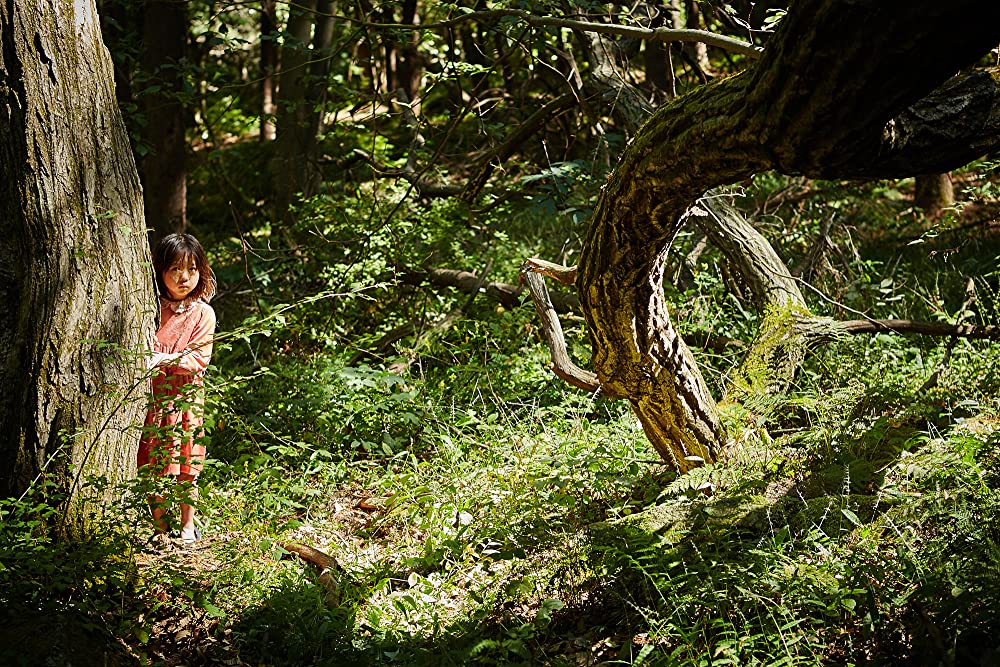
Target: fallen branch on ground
column 330, row 571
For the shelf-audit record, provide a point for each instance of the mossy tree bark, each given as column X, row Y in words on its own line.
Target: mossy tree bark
column 73, row 255
column 779, row 347
column 837, row 94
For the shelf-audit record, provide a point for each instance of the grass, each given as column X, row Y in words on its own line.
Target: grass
column 548, row 534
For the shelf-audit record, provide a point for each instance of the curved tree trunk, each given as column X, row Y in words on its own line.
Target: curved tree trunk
column 73, row 256
column 780, row 346
column 829, row 99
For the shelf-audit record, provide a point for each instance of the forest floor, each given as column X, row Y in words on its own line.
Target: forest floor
column 478, row 511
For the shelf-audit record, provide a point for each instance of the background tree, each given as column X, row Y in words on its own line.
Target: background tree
column 268, row 67
column 933, row 193
column 164, row 166
column 305, row 63
column 73, row 257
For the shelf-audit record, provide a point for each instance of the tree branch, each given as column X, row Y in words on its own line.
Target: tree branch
column 424, row 187
column 507, row 295
column 552, row 332
column 955, row 124
column 646, row 34
column 444, row 323
column 564, row 275
column 904, row 327
column 329, row 570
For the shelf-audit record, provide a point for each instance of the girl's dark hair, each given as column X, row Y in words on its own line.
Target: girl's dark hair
column 178, row 247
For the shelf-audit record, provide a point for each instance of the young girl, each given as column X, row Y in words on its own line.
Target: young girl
column 172, row 435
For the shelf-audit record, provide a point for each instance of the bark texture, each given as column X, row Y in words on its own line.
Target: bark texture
column 778, row 348
column 73, row 254
column 843, row 90
column 934, row 193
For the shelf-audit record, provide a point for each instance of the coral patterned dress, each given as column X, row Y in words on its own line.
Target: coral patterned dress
column 173, row 435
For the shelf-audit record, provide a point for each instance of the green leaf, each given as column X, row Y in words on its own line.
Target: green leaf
column 212, row 611
column 851, row 516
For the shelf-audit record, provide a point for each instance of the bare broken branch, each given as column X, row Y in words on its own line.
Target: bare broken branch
column 424, row 187
column 329, row 570
column 507, row 295
column 516, row 139
column 564, row 275
column 551, row 328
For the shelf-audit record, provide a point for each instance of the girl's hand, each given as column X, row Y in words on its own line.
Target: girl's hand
column 155, row 360
column 162, row 359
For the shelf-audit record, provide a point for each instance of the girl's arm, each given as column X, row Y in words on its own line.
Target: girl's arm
column 198, row 352
column 192, row 360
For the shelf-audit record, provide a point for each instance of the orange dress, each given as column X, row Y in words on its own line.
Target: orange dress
column 173, row 434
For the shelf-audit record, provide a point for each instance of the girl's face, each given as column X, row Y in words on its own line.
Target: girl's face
column 181, row 278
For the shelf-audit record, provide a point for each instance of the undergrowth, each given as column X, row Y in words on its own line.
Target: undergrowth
column 483, row 513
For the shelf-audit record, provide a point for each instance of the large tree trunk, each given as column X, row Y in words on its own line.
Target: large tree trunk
column 73, row 256
column 164, row 167
column 829, row 99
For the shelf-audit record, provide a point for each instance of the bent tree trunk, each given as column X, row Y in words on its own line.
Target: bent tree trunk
column 73, row 256
column 781, row 342
column 837, row 94
column 779, row 348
